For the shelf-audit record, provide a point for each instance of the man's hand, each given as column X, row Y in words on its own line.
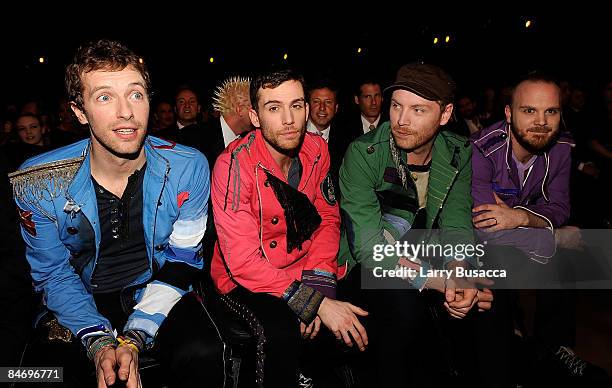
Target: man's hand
column 108, row 358
column 498, row 217
column 105, row 361
column 569, row 237
column 462, row 294
column 311, row 330
column 459, row 301
column 485, row 299
column 128, row 366
column 590, row 169
column 340, row 319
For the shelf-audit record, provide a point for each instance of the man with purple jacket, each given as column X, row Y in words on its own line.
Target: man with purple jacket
column 521, row 170
column 520, row 186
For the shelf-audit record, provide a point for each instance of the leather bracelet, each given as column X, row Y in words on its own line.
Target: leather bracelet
column 136, row 337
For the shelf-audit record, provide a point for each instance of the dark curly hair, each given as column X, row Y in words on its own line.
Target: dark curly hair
column 102, row 54
column 272, row 80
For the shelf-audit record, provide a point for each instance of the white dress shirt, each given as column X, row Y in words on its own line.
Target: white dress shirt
column 310, row 127
column 366, row 124
column 228, row 135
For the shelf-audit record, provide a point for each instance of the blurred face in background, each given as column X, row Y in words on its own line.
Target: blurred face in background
column 164, row 114
column 323, row 107
column 187, row 107
column 370, row 101
column 30, row 130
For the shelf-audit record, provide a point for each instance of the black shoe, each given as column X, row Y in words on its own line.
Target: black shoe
column 570, row 364
column 305, row 382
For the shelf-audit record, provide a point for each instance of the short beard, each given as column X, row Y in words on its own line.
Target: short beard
column 129, row 156
column 530, row 147
column 291, row 152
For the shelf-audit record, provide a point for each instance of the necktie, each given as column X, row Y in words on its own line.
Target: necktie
column 372, row 126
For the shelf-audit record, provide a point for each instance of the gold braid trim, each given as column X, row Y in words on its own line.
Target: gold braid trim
column 53, row 178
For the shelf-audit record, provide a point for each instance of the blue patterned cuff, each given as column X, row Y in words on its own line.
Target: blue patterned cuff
column 96, row 331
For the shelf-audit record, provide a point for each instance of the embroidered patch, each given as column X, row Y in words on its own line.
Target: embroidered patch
column 25, row 218
column 166, row 146
column 327, row 189
column 182, row 197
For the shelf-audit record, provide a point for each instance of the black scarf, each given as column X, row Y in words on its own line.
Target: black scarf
column 301, row 215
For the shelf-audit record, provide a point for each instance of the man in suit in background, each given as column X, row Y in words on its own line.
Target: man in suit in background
column 187, row 130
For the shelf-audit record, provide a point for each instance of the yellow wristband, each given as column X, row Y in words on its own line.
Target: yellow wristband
column 127, row 342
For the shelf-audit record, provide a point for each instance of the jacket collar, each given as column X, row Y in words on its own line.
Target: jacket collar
column 309, row 154
column 156, row 164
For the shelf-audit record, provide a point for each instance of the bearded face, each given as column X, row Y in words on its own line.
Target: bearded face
column 281, row 115
column 535, row 115
column 415, row 121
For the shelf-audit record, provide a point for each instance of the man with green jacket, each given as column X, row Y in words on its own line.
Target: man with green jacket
column 408, row 176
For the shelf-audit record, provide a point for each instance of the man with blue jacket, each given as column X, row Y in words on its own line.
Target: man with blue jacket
column 113, row 227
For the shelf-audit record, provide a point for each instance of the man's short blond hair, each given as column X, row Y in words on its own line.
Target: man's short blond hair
column 231, row 94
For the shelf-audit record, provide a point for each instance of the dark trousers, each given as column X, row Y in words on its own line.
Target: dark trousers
column 504, row 357
column 413, row 342
column 555, row 311
column 188, row 346
column 281, row 330
column 17, row 306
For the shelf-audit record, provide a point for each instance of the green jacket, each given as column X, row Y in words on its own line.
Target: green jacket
column 373, row 200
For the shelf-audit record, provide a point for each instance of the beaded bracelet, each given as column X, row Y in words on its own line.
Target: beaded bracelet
column 100, row 343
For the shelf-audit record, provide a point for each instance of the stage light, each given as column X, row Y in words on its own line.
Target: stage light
column 211, row 60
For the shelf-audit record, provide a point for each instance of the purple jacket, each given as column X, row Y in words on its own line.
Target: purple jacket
column 545, row 192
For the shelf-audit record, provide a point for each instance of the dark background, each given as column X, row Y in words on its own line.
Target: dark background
column 483, row 50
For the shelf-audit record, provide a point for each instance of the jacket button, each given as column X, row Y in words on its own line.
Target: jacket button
column 72, row 230
column 370, row 150
column 273, row 244
column 75, row 254
column 274, row 220
column 267, row 183
column 159, row 247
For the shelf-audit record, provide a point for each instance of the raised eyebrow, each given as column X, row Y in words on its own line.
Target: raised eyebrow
column 393, row 100
column 301, row 99
column 98, row 88
column 102, row 87
column 418, row 106
column 138, row 84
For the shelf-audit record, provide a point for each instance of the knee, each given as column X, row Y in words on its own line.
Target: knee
column 284, row 334
column 201, row 351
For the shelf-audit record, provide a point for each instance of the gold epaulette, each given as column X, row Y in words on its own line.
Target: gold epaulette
column 44, row 181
